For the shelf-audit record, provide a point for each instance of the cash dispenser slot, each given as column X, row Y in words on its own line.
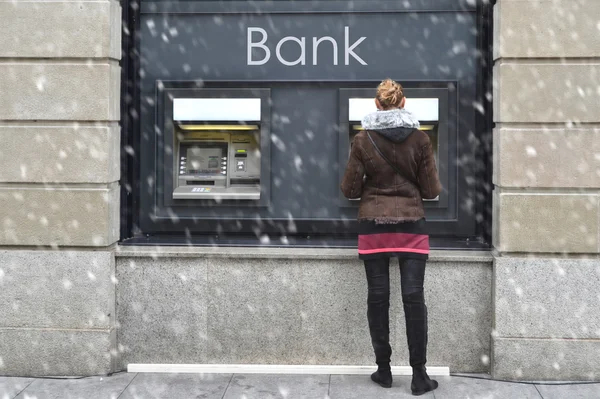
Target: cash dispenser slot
column 425, row 109
column 219, row 161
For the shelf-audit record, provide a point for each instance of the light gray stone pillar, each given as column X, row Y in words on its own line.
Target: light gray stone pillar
column 59, row 172
column 547, row 190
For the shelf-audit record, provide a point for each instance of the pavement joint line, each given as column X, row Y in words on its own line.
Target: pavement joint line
column 549, row 383
column 538, row 391
column 22, row 390
column 127, row 387
column 227, row 387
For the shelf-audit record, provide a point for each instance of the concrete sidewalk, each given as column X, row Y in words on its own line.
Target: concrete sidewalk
column 260, row 386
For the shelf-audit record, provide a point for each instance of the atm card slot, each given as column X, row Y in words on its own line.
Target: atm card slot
column 200, row 182
column 245, row 182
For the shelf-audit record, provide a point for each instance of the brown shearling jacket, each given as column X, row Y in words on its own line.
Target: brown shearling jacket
column 385, row 195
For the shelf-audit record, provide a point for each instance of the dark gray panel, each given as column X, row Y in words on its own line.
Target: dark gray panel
column 414, row 48
column 305, row 164
column 446, row 141
column 299, row 6
column 437, row 46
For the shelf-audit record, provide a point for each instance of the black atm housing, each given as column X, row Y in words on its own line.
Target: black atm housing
column 305, row 128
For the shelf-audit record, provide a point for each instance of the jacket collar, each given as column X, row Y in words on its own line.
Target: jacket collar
column 393, row 118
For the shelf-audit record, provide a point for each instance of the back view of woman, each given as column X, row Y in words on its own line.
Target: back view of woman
column 392, row 169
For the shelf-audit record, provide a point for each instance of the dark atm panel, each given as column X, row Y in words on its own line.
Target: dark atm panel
column 425, row 109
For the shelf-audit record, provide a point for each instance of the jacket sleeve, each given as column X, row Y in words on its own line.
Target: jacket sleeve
column 428, row 178
column 352, row 183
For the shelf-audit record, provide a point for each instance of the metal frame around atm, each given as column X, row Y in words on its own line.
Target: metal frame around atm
column 445, row 131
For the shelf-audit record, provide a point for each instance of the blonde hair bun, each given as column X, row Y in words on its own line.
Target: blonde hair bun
column 390, row 94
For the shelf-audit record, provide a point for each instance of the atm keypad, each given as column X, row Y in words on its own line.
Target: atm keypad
column 240, row 165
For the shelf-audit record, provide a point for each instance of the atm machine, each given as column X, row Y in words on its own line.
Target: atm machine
column 427, row 111
column 217, row 144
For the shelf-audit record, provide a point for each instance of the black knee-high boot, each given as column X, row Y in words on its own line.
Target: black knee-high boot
column 378, row 306
column 378, row 316
column 415, row 313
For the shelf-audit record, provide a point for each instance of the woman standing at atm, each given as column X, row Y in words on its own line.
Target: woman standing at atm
column 392, row 169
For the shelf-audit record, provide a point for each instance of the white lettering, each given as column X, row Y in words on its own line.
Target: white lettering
column 301, row 60
column 252, row 46
column 316, row 43
column 260, row 44
column 350, row 50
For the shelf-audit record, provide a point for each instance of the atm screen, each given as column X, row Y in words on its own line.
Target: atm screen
column 204, row 160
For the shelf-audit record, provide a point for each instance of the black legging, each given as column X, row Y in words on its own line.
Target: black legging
column 412, row 273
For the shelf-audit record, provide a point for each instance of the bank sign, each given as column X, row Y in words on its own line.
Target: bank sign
column 258, row 42
column 305, row 47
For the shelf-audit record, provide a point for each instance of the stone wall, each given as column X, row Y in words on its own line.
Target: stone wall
column 290, row 306
column 547, row 189
column 59, row 172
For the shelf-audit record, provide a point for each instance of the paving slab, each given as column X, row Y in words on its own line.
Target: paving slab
column 11, row 386
column 475, row 388
column 170, row 386
column 84, row 388
column 571, row 391
column 254, row 386
column 361, row 387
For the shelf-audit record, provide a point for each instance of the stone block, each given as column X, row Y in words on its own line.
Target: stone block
column 293, row 253
column 334, row 328
column 162, row 310
column 11, row 386
column 556, row 391
column 60, row 29
column 361, row 387
column 41, row 352
column 547, row 298
column 57, row 289
column 463, row 388
column 50, row 153
column 166, row 385
column 90, row 387
column 278, row 386
column 255, row 311
column 459, row 302
column 546, row 29
column 58, row 91
column 547, row 157
column 59, row 216
column 289, row 311
column 546, row 92
column 547, row 222
column 532, row 359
